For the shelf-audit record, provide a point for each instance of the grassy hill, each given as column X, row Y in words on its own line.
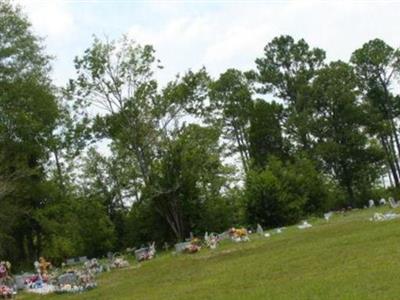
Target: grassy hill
column 348, row 257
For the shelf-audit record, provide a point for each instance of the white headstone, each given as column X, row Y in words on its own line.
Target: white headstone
column 259, row 229
column 304, row 225
column 371, row 203
column 393, row 203
column 328, row 215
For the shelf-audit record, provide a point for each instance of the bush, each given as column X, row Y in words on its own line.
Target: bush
column 282, row 193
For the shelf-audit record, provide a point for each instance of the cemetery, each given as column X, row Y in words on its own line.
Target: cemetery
column 341, row 246
column 199, row 150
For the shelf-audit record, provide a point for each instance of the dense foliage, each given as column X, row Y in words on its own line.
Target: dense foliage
column 114, row 160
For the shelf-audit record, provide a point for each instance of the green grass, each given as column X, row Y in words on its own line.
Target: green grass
column 348, row 257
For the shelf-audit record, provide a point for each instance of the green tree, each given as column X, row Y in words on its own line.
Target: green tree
column 266, row 134
column 28, row 112
column 377, row 66
column 107, row 180
column 231, row 105
column 191, row 179
column 284, row 192
column 286, row 70
column 143, row 124
column 118, row 79
column 338, row 122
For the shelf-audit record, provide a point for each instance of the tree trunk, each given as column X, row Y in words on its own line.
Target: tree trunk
column 394, row 154
column 59, row 171
column 241, row 149
column 390, row 162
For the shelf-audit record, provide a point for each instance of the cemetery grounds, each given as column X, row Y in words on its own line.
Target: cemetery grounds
column 348, row 257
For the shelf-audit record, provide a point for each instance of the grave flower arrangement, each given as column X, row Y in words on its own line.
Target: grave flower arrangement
column 75, row 281
column 147, row 253
column 118, row 262
column 5, row 268
column 239, row 234
column 44, row 266
column 211, row 240
column 93, row 266
column 194, row 246
column 39, row 283
column 7, row 290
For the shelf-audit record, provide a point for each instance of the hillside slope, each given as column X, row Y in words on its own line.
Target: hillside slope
column 348, row 257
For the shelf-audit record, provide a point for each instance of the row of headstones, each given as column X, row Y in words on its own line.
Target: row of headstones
column 76, row 260
column 180, row 247
column 393, row 203
column 21, row 279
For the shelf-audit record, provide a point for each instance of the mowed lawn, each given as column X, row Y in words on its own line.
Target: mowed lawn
column 348, row 257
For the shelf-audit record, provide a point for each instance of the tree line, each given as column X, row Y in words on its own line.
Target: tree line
column 113, row 159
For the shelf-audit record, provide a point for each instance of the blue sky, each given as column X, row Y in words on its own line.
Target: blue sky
column 217, row 34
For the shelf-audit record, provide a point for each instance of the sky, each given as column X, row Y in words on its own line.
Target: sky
column 214, row 34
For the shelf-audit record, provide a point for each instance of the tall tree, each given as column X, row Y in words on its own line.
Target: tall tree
column 28, row 112
column 287, row 70
column 107, row 180
column 118, row 78
column 338, row 128
column 191, row 177
column 231, row 105
column 266, row 134
column 378, row 65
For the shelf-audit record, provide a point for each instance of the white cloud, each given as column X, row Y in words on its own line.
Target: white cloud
column 52, row 18
column 235, row 36
column 216, row 34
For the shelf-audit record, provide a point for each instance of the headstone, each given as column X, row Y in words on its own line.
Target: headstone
column 260, row 229
column 83, row 259
column 305, row 225
column 328, row 215
column 141, row 253
column 67, row 278
column 70, row 261
column 130, row 250
column 393, row 203
column 224, row 235
column 20, row 280
column 179, row 247
column 384, row 217
column 166, row 246
column 382, row 201
column 371, row 203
